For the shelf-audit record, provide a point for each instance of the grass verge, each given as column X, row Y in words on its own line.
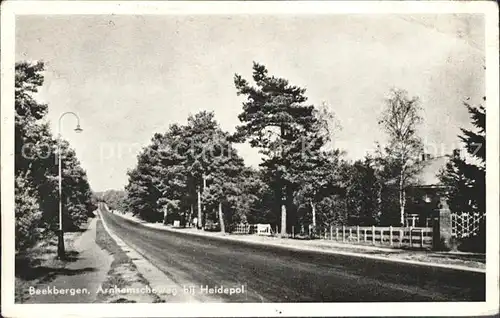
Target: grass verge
column 122, row 274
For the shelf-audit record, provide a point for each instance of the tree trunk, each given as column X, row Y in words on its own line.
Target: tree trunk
column 283, row 219
column 165, row 214
column 199, row 210
column 190, row 220
column 313, row 209
column 401, row 199
column 221, row 219
column 378, row 214
column 283, row 193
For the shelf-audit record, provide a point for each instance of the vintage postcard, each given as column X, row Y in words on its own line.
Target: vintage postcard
column 249, row 158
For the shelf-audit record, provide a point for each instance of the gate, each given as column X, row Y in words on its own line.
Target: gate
column 465, row 225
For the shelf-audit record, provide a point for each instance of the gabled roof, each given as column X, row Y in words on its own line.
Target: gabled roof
column 428, row 176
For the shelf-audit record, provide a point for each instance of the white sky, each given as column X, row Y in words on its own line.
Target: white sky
column 131, row 76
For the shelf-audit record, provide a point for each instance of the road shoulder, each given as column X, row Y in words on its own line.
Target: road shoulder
column 165, row 290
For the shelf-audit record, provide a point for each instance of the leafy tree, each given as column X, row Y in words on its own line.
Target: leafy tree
column 173, row 186
column 275, row 120
column 224, row 182
column 76, row 192
column 201, row 135
column 36, row 169
column 400, row 119
column 142, row 189
column 169, row 177
column 115, row 199
column 27, row 213
column 256, row 201
column 362, row 192
column 319, row 179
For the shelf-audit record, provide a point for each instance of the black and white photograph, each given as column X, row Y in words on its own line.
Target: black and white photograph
column 280, row 159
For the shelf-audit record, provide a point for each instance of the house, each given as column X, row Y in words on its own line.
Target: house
column 423, row 196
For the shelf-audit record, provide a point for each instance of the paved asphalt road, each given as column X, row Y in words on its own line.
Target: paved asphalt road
column 274, row 274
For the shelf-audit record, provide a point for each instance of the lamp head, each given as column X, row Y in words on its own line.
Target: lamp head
column 78, row 129
column 427, row 198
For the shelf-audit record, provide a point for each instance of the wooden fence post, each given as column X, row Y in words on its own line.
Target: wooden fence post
column 331, row 232
column 350, row 234
column 411, row 238
column 357, row 232
column 401, row 234
column 390, row 234
column 336, row 233
column 382, row 236
column 343, row 233
column 373, row 234
column 293, row 232
column 364, row 232
column 422, row 238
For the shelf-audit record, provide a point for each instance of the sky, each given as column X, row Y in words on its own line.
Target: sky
column 128, row 77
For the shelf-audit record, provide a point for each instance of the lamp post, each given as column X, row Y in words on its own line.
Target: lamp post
column 60, row 241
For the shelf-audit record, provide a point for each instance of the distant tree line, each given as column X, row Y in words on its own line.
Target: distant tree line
column 36, row 170
column 114, row 199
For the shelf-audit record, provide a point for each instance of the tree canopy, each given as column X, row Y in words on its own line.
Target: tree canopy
column 36, row 170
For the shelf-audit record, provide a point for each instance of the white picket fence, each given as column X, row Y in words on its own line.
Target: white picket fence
column 391, row 236
column 259, row 229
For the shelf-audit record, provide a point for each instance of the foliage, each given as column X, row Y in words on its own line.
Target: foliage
column 36, row 170
column 115, row 199
column 27, row 214
column 286, row 131
column 466, row 181
column 400, row 119
column 170, row 172
column 363, row 193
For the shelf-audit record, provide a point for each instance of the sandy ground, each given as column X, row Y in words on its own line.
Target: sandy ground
column 85, row 269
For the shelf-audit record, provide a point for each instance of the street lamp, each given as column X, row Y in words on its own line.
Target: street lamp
column 78, row 129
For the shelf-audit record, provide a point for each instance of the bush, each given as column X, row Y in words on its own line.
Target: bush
column 27, row 214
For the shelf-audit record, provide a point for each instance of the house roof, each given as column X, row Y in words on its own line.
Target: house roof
column 428, row 176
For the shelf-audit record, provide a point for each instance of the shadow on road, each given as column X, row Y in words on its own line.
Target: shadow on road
column 47, row 274
column 29, row 270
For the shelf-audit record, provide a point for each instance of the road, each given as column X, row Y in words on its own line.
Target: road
column 276, row 274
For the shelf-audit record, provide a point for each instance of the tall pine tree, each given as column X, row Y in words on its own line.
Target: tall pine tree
column 276, row 120
column 466, row 179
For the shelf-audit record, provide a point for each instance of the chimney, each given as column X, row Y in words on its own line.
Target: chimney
column 428, row 156
column 422, row 157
